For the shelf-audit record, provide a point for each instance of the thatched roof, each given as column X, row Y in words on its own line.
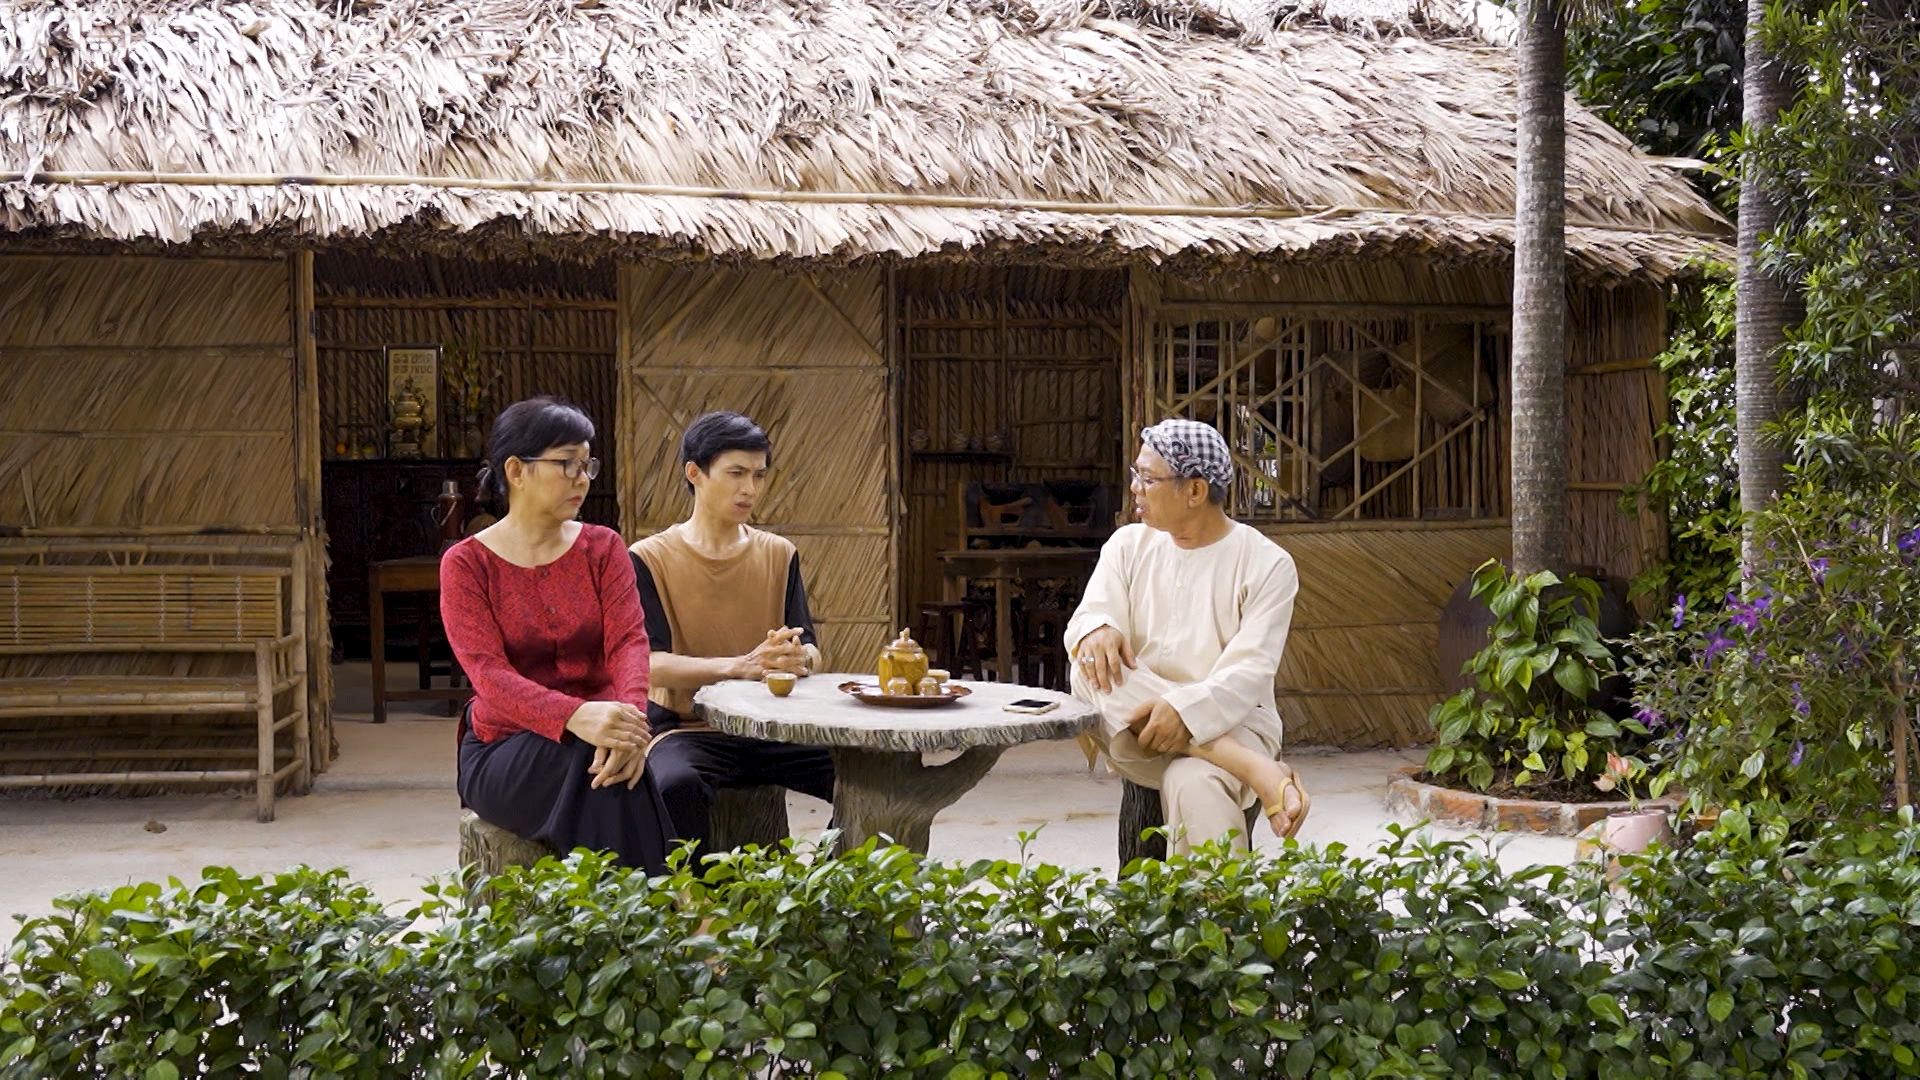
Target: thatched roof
column 1189, row 131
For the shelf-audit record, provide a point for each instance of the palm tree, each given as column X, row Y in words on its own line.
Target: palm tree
column 1763, row 302
column 1540, row 293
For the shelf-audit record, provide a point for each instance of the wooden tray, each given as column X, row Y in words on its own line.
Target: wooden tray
column 871, row 694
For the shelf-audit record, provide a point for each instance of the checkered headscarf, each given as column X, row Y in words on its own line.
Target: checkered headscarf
column 1192, row 449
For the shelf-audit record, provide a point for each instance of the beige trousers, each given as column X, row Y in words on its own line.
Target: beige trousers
column 1200, row 800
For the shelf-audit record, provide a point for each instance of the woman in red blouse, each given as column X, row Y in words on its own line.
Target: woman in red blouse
column 542, row 612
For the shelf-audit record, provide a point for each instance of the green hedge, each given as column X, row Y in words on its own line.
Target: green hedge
column 1744, row 955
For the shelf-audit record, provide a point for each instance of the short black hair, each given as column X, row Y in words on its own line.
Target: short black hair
column 526, row 430
column 715, row 433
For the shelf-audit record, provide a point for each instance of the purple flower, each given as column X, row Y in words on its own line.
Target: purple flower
column 1909, row 544
column 1679, row 610
column 1748, row 616
column 1648, row 715
column 1717, row 643
column 1799, row 751
column 1819, row 568
column 1800, row 703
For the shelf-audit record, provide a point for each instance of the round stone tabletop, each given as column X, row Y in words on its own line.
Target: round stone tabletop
column 817, row 713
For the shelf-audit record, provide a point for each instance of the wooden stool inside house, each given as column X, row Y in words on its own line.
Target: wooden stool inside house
column 741, row 816
column 939, row 632
column 419, row 574
column 1043, row 646
column 1140, row 810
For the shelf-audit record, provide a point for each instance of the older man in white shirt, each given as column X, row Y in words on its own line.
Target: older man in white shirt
column 1177, row 641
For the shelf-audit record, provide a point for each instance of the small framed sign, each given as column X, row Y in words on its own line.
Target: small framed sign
column 413, row 400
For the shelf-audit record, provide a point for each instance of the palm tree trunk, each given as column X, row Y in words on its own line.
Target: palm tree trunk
column 1764, row 305
column 1540, row 294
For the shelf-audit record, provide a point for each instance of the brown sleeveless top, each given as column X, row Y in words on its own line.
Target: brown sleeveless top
column 716, row 607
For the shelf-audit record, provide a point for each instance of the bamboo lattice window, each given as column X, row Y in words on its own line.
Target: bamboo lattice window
column 1362, row 416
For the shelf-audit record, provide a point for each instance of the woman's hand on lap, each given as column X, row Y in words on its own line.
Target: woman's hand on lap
column 612, row 767
column 610, row 725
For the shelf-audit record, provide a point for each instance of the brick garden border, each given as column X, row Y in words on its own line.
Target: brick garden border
column 1412, row 801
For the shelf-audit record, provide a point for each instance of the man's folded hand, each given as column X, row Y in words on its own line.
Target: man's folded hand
column 1159, row 727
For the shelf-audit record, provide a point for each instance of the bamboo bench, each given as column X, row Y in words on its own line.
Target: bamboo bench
column 112, row 599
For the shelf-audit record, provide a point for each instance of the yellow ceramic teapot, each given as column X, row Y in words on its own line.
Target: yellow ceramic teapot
column 903, row 659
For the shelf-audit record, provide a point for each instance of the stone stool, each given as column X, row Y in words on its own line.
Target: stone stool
column 741, row 816
column 1139, row 811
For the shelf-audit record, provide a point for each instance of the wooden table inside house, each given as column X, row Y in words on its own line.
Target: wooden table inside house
column 1003, row 566
column 881, row 787
column 417, row 574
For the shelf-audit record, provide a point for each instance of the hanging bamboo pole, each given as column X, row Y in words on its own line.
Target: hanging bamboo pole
column 828, row 198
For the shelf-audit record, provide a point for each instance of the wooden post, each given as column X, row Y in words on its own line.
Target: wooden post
column 899, row 386
column 377, row 616
column 302, row 698
column 263, row 784
column 1419, row 402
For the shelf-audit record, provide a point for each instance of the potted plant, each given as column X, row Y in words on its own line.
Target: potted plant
column 1531, row 721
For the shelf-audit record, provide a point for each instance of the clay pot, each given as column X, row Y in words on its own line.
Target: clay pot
column 1630, row 831
column 1624, row 832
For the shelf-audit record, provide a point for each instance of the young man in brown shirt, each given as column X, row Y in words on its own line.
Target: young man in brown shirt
column 722, row 600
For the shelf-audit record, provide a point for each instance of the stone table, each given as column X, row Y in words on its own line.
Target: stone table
column 881, row 787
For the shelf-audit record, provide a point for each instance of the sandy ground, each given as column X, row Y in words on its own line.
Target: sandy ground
column 386, row 811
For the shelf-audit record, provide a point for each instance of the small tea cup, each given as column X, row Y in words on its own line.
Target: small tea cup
column 780, row 683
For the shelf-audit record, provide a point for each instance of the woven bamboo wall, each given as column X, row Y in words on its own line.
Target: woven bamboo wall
column 1023, row 360
column 146, row 392
column 1616, row 401
column 152, row 397
column 806, row 357
column 1359, row 667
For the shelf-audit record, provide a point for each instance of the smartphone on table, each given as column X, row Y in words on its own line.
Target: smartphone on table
column 1031, row 705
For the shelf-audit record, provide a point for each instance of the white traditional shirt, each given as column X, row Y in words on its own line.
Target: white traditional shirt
column 1212, row 619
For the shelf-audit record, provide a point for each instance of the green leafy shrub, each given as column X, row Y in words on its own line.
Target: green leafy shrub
column 1531, row 717
column 296, row 974
column 1750, row 954
column 1744, row 955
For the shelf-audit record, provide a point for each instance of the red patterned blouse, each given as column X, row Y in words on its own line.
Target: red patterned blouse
column 539, row 641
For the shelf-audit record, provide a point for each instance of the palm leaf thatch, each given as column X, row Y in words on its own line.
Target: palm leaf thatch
column 1192, row 133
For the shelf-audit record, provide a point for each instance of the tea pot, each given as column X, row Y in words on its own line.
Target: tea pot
column 903, row 659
